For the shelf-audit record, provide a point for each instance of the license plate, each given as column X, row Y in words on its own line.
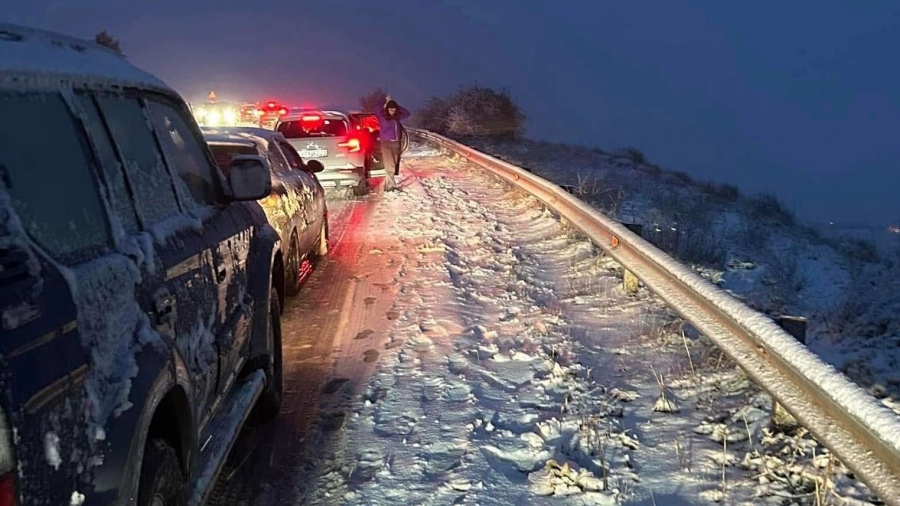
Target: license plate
column 313, row 153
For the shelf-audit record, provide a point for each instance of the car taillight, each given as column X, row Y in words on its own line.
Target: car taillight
column 7, row 464
column 282, row 111
column 310, row 118
column 8, row 490
column 352, row 145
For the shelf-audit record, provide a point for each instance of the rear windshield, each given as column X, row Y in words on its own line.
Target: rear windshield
column 225, row 153
column 326, row 128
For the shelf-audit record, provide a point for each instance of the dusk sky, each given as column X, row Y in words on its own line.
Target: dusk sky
column 802, row 100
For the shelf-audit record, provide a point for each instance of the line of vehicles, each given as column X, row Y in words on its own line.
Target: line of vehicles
column 144, row 265
column 344, row 140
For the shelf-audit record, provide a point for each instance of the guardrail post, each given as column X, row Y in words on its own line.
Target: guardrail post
column 795, row 326
column 629, row 280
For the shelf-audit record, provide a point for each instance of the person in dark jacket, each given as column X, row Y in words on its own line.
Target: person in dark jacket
column 389, row 116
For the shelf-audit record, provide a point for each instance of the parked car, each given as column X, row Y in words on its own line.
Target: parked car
column 140, row 291
column 269, row 113
column 326, row 136
column 296, row 207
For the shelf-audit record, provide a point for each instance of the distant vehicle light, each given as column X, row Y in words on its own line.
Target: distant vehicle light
column 213, row 118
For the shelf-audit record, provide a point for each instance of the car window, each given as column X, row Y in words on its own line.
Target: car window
column 119, row 195
column 154, row 191
column 184, row 152
column 293, row 158
column 45, row 167
column 279, row 163
column 224, row 153
column 325, row 128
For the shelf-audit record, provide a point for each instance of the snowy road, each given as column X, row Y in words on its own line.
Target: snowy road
column 460, row 346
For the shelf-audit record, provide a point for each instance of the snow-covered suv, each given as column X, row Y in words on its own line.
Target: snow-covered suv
column 139, row 289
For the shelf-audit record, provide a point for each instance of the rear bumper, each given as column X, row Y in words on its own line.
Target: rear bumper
column 340, row 177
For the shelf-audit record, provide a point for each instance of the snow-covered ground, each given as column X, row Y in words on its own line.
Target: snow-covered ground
column 845, row 281
column 517, row 371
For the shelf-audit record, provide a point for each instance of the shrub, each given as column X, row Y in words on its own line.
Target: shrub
column 633, row 154
column 767, row 207
column 682, row 178
column 722, row 191
column 473, row 112
column 373, row 99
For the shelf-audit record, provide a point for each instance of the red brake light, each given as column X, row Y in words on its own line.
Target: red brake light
column 8, row 490
column 311, row 118
column 271, row 105
column 352, row 145
column 282, row 111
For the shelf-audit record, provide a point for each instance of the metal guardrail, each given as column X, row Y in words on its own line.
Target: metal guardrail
column 863, row 434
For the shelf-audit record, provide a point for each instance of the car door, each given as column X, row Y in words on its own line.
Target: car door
column 226, row 230
column 58, row 332
column 178, row 278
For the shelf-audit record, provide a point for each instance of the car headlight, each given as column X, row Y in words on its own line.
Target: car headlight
column 230, row 116
column 213, row 118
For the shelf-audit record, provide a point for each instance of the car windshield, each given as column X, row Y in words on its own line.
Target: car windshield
column 325, row 128
column 225, row 153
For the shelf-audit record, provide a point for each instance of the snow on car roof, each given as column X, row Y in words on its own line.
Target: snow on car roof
column 244, row 139
column 265, row 133
column 296, row 114
column 44, row 54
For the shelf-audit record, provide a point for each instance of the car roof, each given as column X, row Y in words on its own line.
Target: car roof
column 295, row 114
column 234, row 139
column 263, row 133
column 37, row 58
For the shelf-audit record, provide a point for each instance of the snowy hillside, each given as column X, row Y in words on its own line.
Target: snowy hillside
column 845, row 282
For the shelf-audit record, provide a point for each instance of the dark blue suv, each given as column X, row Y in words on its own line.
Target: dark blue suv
column 139, row 289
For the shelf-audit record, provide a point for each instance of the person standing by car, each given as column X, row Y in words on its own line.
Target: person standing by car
column 389, row 117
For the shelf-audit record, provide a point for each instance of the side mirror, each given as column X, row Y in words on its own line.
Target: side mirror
column 249, row 178
column 314, row 166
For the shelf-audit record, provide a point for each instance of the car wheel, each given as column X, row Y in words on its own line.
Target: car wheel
column 270, row 401
column 362, row 188
column 367, row 169
column 292, row 269
column 162, row 482
column 322, row 246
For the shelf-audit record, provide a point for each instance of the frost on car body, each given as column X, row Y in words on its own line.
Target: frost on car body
column 135, row 291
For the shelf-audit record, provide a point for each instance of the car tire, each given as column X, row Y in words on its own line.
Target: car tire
column 322, row 245
column 269, row 402
column 362, row 189
column 292, row 269
column 161, row 476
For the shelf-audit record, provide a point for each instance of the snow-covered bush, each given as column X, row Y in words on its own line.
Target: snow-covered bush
column 373, row 99
column 473, row 112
